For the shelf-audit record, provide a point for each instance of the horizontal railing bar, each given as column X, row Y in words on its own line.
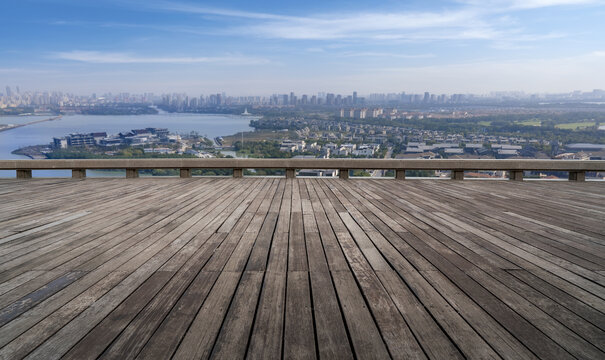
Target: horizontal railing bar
column 373, row 164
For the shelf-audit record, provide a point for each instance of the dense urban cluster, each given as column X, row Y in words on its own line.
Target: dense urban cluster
column 410, row 142
column 47, row 99
column 329, row 125
column 144, row 142
column 44, row 100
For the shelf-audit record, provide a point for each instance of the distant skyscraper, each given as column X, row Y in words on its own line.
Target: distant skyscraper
column 9, row 93
column 330, row 99
column 427, row 97
column 354, row 97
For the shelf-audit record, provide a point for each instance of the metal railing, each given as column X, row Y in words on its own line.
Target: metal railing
column 576, row 168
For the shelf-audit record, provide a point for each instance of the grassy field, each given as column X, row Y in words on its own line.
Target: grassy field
column 533, row 122
column 575, row 125
column 257, row 136
column 485, row 123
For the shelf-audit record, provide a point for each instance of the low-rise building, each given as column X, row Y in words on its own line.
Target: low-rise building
column 158, row 150
column 454, row 151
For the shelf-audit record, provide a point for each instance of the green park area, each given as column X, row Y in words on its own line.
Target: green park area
column 576, row 125
column 531, row 122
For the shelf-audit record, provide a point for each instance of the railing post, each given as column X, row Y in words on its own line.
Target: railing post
column 515, row 175
column 457, row 174
column 400, row 174
column 78, row 173
column 238, row 173
column 290, row 173
column 132, row 173
column 24, row 174
column 343, row 174
column 185, row 173
column 577, row 176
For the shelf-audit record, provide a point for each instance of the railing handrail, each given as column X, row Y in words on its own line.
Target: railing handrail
column 577, row 169
column 251, row 163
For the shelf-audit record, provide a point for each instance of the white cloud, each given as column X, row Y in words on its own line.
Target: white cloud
column 98, row 57
column 25, row 71
column 385, row 54
column 206, row 10
column 472, row 20
column 534, row 4
column 526, row 4
column 369, row 26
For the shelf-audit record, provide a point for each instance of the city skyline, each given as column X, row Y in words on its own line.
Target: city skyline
column 15, row 97
column 537, row 46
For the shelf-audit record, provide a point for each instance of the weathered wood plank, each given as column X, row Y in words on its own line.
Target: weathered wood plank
column 272, row 268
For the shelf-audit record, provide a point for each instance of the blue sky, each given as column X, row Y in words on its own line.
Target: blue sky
column 249, row 47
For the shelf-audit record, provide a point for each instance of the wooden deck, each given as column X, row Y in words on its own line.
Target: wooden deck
column 265, row 268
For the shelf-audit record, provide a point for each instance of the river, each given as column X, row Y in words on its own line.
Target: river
column 210, row 125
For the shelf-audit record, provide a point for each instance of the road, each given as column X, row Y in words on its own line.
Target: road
column 381, row 173
column 31, row 123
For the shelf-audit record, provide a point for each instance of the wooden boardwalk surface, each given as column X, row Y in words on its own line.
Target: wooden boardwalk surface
column 266, row 268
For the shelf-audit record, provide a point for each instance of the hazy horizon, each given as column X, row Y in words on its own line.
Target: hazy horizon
column 242, row 48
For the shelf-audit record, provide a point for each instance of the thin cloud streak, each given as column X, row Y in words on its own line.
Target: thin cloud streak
column 196, row 9
column 384, row 54
column 473, row 21
column 527, row 4
column 97, row 57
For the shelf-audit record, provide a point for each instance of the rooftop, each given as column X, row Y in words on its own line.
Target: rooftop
column 269, row 268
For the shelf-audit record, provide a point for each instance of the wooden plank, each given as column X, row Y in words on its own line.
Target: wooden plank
column 267, row 334
column 297, row 252
column 446, row 267
column 467, row 340
column 299, row 334
column 266, row 339
column 96, row 341
column 138, row 269
column 133, row 336
column 178, row 320
column 535, row 340
column 331, row 334
column 17, row 281
column 232, row 340
column 365, row 337
column 202, row 333
column 168, row 335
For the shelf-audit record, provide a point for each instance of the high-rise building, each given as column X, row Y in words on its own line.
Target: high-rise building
column 354, row 97
column 9, row 93
column 330, row 99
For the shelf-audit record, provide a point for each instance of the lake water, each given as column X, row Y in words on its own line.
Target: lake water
column 210, row 125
